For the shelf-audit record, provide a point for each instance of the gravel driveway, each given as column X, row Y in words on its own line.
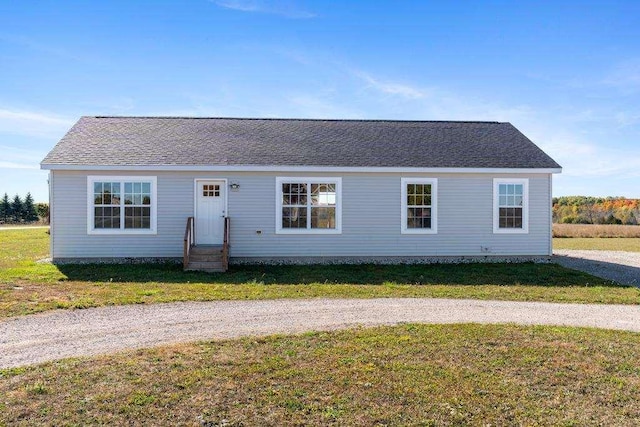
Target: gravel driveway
column 65, row 333
column 622, row 267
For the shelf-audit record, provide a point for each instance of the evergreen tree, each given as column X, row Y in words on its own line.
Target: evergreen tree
column 29, row 210
column 5, row 208
column 17, row 209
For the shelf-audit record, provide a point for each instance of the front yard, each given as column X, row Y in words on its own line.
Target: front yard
column 29, row 287
column 403, row 375
column 408, row 374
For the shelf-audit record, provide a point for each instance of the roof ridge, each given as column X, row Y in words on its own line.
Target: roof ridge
column 296, row 119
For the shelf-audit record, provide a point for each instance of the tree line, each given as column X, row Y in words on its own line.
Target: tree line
column 596, row 210
column 19, row 210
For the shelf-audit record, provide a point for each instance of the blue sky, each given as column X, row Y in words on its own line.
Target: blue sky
column 567, row 74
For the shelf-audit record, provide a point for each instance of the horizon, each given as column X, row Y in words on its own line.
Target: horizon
column 568, row 78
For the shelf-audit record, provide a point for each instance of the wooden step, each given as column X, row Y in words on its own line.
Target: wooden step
column 206, row 250
column 205, row 257
column 209, row 266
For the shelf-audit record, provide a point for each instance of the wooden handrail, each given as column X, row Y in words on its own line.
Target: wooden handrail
column 188, row 241
column 225, row 243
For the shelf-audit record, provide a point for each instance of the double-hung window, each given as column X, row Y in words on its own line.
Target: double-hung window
column 419, row 205
column 510, row 205
column 308, row 205
column 121, row 205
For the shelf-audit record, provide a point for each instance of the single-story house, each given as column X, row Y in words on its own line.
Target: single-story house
column 297, row 190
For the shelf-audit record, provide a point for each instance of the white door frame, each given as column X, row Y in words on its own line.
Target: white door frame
column 195, row 199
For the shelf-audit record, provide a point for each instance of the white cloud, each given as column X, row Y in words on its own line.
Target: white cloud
column 448, row 106
column 593, row 163
column 33, row 123
column 293, row 55
column 49, row 49
column 317, row 107
column 20, row 158
column 627, row 118
column 579, row 158
column 109, row 105
column 16, row 154
column 625, row 76
column 281, row 8
column 436, row 103
column 13, row 165
column 391, row 88
column 196, row 110
column 584, row 141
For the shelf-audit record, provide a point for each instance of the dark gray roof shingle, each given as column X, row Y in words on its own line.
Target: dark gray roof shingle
column 180, row 141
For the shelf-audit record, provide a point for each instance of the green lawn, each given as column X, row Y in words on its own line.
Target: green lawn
column 28, row 287
column 404, row 375
column 631, row 244
column 20, row 247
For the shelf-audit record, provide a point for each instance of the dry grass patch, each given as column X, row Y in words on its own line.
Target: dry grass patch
column 404, row 375
column 598, row 244
column 595, row 230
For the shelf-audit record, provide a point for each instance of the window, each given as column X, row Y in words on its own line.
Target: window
column 510, row 205
column 308, row 205
column 121, row 205
column 419, row 205
column 211, row 190
column 106, row 201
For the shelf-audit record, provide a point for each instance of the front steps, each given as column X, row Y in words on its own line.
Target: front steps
column 206, row 258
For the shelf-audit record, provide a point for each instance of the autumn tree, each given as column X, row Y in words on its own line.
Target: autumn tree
column 596, row 210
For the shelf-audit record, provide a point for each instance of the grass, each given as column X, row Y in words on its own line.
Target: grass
column 23, row 246
column 28, row 287
column 597, row 237
column 596, row 230
column 39, row 223
column 598, row 244
column 404, row 375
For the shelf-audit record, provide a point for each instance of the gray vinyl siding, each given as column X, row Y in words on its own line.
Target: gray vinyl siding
column 371, row 213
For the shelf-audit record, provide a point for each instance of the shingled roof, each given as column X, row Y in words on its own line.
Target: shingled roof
column 181, row 141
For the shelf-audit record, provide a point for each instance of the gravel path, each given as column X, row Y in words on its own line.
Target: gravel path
column 622, row 267
column 66, row 333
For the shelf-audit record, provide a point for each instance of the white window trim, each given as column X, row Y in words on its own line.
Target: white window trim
column 434, row 206
column 91, row 179
column 308, row 180
column 525, row 206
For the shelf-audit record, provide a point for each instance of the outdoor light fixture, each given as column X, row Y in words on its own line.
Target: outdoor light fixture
column 235, row 186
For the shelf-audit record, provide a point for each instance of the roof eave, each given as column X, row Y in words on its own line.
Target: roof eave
column 284, row 168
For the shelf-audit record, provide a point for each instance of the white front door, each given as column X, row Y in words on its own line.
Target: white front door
column 210, row 212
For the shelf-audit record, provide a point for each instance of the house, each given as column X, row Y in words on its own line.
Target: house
column 292, row 190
